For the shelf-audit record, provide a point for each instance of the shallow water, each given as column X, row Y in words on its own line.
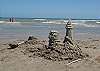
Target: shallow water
column 23, row 29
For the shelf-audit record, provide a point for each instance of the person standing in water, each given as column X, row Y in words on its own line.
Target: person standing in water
column 12, row 20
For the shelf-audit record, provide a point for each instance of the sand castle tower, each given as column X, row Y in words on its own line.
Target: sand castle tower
column 69, row 29
column 68, row 36
column 53, row 38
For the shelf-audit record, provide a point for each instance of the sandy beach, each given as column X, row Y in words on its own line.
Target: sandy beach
column 31, row 56
column 16, row 60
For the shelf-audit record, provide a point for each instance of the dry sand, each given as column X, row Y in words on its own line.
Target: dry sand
column 17, row 60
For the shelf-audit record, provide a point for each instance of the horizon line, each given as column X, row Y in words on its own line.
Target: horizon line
column 53, row 18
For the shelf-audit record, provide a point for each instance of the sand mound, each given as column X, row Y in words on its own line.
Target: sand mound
column 36, row 48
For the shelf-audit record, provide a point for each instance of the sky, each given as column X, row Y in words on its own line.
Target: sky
column 50, row 8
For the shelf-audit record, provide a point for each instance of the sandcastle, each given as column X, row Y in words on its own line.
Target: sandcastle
column 55, row 50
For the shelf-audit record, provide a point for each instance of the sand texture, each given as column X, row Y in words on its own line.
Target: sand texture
column 27, row 57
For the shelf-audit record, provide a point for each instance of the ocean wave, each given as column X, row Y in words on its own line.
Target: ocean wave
column 97, row 22
column 89, row 25
column 2, row 21
column 40, row 19
column 6, row 22
column 53, row 22
column 86, row 25
column 9, row 22
column 60, row 22
column 12, row 22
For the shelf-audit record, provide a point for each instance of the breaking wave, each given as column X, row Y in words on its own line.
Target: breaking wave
column 2, row 21
column 9, row 22
column 85, row 23
column 40, row 19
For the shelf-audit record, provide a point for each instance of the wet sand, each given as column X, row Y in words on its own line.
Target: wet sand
column 16, row 60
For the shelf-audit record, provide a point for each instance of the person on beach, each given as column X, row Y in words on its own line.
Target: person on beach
column 10, row 19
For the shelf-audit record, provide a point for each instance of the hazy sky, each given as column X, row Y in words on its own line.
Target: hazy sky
column 50, row 8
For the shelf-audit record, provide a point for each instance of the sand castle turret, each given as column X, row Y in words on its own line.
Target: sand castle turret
column 69, row 29
column 68, row 36
column 53, row 38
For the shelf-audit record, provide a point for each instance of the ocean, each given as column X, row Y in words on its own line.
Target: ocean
column 38, row 27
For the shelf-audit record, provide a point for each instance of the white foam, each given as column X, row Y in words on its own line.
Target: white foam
column 48, row 22
column 75, row 23
column 40, row 19
column 85, row 24
column 59, row 22
column 52, row 22
column 2, row 21
column 12, row 22
column 98, row 22
column 8, row 22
